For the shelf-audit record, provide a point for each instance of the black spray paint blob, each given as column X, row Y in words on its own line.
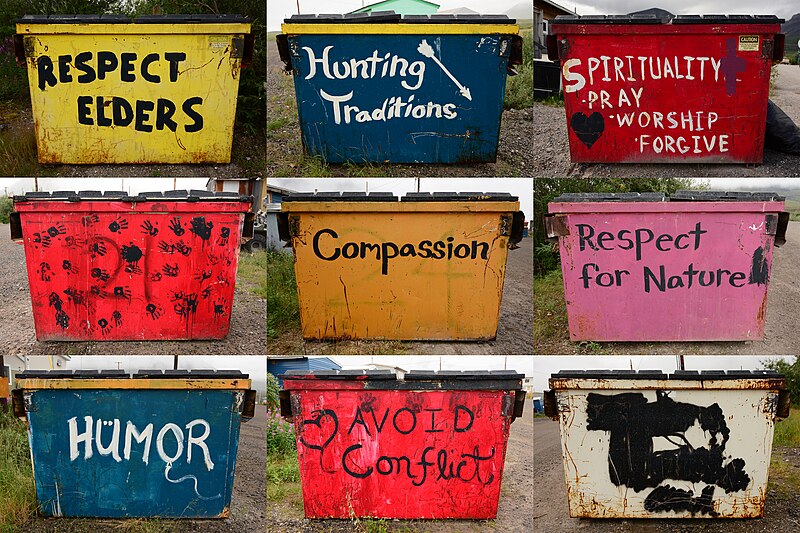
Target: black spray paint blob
column 201, row 228
column 132, row 253
column 633, row 423
column 759, row 272
column 669, row 498
column 588, row 129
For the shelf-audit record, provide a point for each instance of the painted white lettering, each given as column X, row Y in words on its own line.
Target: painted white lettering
column 191, row 440
column 570, row 77
column 132, row 433
column 178, row 434
column 76, row 438
column 113, row 448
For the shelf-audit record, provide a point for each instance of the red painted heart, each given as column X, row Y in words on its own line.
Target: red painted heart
column 318, row 431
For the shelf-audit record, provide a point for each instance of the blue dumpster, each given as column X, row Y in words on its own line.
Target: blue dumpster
column 382, row 87
column 115, row 445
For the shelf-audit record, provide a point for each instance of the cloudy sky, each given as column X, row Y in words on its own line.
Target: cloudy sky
column 277, row 10
column 544, row 366
column 522, row 364
column 521, row 187
column 12, row 186
column 781, row 8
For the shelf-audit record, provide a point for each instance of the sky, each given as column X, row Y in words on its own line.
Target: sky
column 522, row 364
column 726, row 184
column 544, row 366
column 12, row 186
column 781, row 8
column 520, row 187
column 277, row 10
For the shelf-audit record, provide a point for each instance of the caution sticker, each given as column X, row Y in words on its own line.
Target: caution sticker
column 218, row 42
column 749, row 43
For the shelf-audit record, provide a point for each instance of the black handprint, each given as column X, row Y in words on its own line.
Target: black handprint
column 182, row 249
column 98, row 291
column 224, row 235
column 149, row 229
column 171, row 271
column 201, row 228
column 69, row 267
column 175, row 226
column 155, row 276
column 55, row 231
column 75, row 296
column 133, row 268
column 99, row 248
column 207, row 292
column 119, row 224
column 117, row 316
column 98, row 273
column 72, row 242
column 203, row 275
column 153, row 311
column 219, row 308
column 44, row 240
column 123, row 292
column 44, row 271
column 88, row 220
column 104, row 326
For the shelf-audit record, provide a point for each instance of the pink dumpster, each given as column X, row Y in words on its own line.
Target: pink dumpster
column 645, row 267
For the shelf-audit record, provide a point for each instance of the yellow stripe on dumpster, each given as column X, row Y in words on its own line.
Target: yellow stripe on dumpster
column 106, row 383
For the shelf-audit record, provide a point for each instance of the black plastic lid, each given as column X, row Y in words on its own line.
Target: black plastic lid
column 657, row 374
column 340, row 197
column 720, row 196
column 339, row 374
column 459, row 197
column 388, row 17
column 469, row 375
column 572, row 197
column 415, row 379
column 142, row 19
column 727, row 19
column 193, row 195
column 193, row 374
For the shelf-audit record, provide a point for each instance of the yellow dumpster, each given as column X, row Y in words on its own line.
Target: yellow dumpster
column 157, row 89
column 426, row 267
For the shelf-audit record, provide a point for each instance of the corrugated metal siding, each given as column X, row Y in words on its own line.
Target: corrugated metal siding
column 276, row 367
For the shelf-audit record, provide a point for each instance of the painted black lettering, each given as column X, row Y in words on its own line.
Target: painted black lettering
column 347, row 452
column 462, row 409
column 174, row 59
column 197, row 125
column 759, row 270
column 315, row 244
column 106, row 62
column 100, row 106
column 143, row 108
column 585, row 232
column 81, row 61
column 152, row 78
column 122, row 111
column 413, row 420
column 64, row 64
column 660, row 282
column 164, row 111
column 83, row 110
column 44, row 70
column 126, row 67
column 433, row 422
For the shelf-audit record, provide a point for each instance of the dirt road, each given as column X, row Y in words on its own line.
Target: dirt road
column 247, row 335
column 248, row 500
column 514, row 332
column 285, row 149
column 551, row 146
column 551, row 511
column 514, row 511
column 780, row 337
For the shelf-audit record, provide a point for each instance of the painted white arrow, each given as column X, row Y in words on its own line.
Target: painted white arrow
column 425, row 49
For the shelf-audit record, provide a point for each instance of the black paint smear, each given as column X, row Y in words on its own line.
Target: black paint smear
column 76, row 296
column 633, row 422
column 759, row 272
column 219, row 309
column 44, row 271
column 201, row 228
column 132, row 253
column 185, row 304
column 668, row 498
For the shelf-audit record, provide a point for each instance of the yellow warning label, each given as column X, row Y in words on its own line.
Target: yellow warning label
column 749, row 43
column 218, row 41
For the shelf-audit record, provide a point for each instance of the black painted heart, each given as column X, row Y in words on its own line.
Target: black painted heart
column 588, row 129
column 318, row 431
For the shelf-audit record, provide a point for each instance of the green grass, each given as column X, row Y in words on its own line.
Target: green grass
column 17, row 494
column 253, row 269
column 549, row 310
column 787, row 432
column 519, row 88
column 18, row 156
column 283, row 310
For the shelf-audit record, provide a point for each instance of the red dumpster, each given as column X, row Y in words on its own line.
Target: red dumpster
column 691, row 89
column 644, row 267
column 119, row 267
column 431, row 445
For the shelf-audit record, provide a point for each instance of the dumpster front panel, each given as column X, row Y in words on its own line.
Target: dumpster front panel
column 399, row 270
column 410, row 454
column 666, row 93
column 134, row 453
column 131, row 271
column 400, row 98
column 645, row 273
column 146, row 97
column 645, row 452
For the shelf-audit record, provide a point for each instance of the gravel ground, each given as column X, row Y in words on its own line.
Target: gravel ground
column 514, row 332
column 780, row 336
column 247, row 335
column 551, row 146
column 284, row 147
column 514, row 511
column 551, row 512
column 248, row 501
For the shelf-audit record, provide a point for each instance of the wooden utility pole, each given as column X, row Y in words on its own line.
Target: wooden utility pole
column 175, row 363
column 36, row 184
column 3, row 399
column 298, row 7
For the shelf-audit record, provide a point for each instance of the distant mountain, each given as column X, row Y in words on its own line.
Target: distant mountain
column 521, row 11
column 792, row 30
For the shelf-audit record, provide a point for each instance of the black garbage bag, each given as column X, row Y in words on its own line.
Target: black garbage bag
column 782, row 133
